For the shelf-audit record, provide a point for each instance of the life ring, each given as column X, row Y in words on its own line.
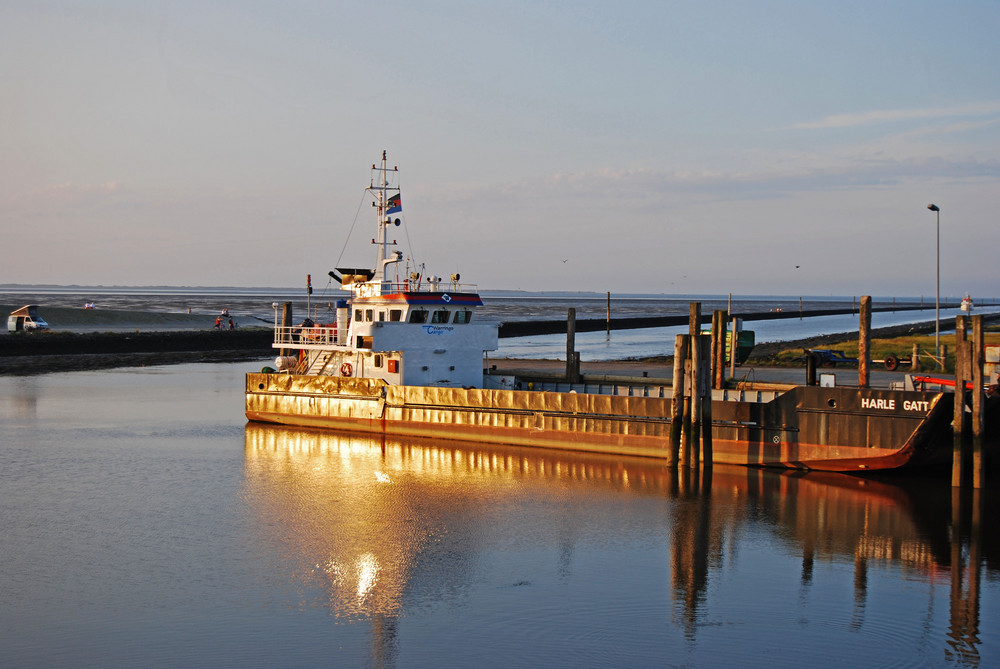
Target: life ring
column 346, row 369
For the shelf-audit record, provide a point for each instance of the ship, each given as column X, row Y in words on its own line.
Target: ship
column 408, row 355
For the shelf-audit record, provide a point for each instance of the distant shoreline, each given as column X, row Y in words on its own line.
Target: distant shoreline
column 69, row 351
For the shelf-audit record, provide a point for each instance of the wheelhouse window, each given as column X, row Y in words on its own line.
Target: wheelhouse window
column 357, row 314
column 463, row 316
column 381, row 316
column 369, row 315
column 419, row 316
column 440, row 316
column 395, row 314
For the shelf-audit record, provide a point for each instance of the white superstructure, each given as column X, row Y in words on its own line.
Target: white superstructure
column 409, row 331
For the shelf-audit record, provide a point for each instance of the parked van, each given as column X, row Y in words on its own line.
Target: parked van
column 26, row 319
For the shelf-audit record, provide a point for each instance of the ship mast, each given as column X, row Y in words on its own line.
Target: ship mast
column 384, row 257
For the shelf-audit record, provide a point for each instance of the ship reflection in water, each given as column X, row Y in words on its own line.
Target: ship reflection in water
column 595, row 560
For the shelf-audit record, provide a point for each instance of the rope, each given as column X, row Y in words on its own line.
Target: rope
column 349, row 232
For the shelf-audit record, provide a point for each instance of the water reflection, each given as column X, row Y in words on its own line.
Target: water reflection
column 381, row 526
column 23, row 398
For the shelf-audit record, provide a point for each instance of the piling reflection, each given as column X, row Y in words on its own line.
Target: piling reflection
column 371, row 522
column 899, row 523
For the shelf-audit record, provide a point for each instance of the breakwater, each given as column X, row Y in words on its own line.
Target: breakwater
column 74, row 351
column 257, row 340
column 543, row 327
column 76, row 343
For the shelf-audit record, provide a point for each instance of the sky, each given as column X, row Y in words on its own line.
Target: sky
column 704, row 147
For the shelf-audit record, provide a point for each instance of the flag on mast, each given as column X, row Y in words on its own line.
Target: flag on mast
column 393, row 204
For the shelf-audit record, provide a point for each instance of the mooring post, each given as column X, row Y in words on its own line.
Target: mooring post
column 677, row 406
column 715, row 348
column 698, row 379
column 572, row 366
column 811, row 369
column 737, row 327
column 691, row 399
column 978, row 358
column 958, row 415
column 915, row 358
column 286, row 323
column 694, row 318
column 724, row 338
column 865, row 341
column 962, row 335
column 720, row 319
column 706, row 400
column 608, row 317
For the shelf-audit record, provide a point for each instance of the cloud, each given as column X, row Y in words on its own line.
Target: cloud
column 71, row 189
column 893, row 115
column 61, row 194
column 783, row 176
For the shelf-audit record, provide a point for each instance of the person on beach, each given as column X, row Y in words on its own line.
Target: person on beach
column 232, row 325
column 218, row 322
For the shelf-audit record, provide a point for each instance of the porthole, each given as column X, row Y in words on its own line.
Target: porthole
column 832, row 403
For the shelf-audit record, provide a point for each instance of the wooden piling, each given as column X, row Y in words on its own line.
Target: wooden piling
column 677, row 406
column 958, row 415
column 698, row 377
column 691, row 440
column 694, row 318
column 736, row 326
column 608, row 316
column 718, row 349
column 726, row 337
column 286, row 322
column 715, row 345
column 978, row 399
column 915, row 359
column 865, row 342
column 706, row 403
column 572, row 367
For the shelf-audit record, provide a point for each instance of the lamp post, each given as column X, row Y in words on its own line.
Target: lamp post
column 937, row 294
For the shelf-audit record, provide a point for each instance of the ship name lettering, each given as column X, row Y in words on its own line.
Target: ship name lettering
column 877, row 403
column 916, row 405
column 435, row 330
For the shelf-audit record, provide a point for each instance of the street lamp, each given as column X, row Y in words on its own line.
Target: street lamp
column 937, row 294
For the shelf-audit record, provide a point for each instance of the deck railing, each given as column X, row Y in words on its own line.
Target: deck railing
column 298, row 335
column 423, row 286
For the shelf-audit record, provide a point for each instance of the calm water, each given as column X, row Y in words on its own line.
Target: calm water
column 145, row 523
